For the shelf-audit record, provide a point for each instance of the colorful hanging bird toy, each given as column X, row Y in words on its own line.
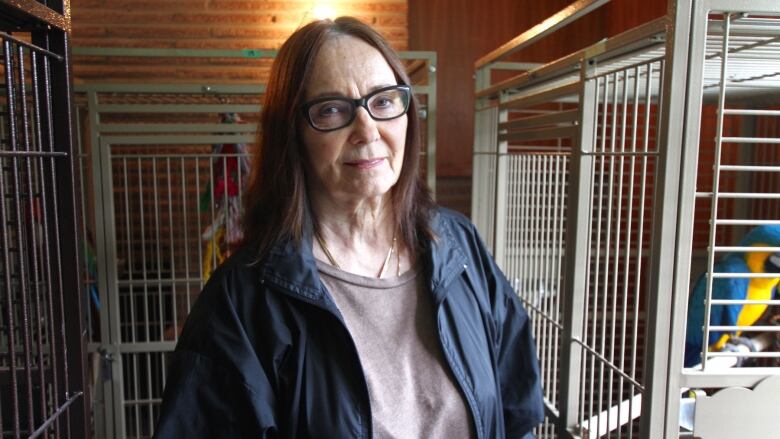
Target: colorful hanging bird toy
column 734, row 288
column 222, row 196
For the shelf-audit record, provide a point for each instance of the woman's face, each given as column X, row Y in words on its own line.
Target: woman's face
column 363, row 159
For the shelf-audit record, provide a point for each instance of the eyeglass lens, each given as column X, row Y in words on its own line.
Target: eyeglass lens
column 339, row 112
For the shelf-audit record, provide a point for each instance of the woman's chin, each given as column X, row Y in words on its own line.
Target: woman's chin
column 368, row 190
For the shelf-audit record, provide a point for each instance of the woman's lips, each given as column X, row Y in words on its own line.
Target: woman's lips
column 365, row 164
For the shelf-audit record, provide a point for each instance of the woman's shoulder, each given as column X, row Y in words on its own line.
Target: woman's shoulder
column 237, row 274
column 450, row 224
column 230, row 285
column 444, row 218
column 448, row 214
column 244, row 259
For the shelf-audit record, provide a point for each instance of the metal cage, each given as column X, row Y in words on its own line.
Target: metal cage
column 607, row 182
column 41, row 342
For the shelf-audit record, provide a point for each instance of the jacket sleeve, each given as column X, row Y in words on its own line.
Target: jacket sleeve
column 203, row 401
column 518, row 367
column 517, row 363
column 216, row 386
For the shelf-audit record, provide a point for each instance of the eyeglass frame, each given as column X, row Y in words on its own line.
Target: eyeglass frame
column 359, row 102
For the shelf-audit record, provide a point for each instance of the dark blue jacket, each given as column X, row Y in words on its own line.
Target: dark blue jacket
column 265, row 352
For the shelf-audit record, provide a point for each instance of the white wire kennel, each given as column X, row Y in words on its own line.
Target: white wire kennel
column 149, row 155
column 608, row 180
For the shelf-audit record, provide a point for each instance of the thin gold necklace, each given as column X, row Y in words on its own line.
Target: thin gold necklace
column 325, row 249
column 333, row 262
column 387, row 259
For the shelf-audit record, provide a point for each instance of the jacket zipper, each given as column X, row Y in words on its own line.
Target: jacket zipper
column 340, row 320
column 470, row 398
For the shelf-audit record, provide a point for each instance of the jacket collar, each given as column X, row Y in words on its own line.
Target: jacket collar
column 293, row 267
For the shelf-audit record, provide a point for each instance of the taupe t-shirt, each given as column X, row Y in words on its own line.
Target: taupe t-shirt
column 413, row 393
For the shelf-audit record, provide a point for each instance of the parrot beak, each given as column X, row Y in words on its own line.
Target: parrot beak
column 772, row 264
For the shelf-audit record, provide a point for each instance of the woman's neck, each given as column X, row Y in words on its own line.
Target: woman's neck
column 358, row 235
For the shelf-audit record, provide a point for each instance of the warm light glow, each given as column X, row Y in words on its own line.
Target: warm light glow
column 321, row 11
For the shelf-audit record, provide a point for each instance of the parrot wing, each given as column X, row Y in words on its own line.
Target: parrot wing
column 721, row 315
column 723, row 288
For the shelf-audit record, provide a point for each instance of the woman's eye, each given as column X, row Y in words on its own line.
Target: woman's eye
column 382, row 102
column 330, row 109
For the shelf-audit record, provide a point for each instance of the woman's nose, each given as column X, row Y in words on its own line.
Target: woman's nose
column 364, row 128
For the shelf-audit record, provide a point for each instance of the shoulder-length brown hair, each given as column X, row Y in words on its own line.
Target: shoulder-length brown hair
column 276, row 202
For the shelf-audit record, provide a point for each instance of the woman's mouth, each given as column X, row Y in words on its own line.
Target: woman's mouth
column 365, row 164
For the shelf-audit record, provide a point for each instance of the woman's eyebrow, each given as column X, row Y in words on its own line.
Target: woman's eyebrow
column 336, row 94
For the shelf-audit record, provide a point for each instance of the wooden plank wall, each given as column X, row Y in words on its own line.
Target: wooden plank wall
column 207, row 24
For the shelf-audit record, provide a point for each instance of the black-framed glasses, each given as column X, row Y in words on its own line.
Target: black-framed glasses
column 333, row 113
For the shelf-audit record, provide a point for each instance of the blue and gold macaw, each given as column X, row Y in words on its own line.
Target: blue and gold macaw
column 734, row 289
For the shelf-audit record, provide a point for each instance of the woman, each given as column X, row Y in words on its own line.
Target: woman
column 357, row 308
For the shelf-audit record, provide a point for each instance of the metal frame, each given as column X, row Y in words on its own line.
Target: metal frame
column 114, row 347
column 118, row 410
column 603, row 90
column 126, row 348
column 430, row 111
column 696, row 86
column 41, row 341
